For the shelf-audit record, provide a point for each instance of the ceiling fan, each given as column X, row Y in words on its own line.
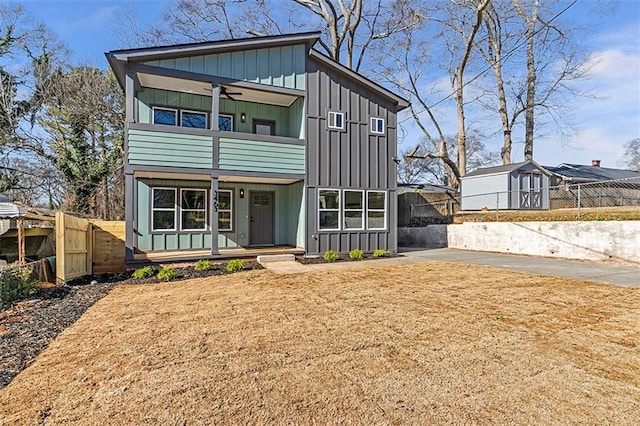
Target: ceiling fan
column 229, row 95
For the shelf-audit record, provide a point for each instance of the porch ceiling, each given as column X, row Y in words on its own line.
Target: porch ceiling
column 155, row 81
column 252, row 179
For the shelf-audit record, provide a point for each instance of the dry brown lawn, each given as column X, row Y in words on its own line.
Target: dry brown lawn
column 560, row 215
column 430, row 343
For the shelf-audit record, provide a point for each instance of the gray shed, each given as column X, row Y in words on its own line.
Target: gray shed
column 518, row 186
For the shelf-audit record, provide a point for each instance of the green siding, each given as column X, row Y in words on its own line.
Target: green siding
column 254, row 156
column 276, row 66
column 289, row 217
column 169, row 149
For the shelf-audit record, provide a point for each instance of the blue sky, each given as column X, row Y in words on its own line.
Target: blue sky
column 601, row 124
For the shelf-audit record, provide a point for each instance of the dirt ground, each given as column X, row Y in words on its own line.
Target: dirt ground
column 429, row 343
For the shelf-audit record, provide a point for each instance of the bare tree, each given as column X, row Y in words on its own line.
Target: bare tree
column 631, row 157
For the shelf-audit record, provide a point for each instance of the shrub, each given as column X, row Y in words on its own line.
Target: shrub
column 356, row 254
column 203, row 265
column 235, row 265
column 16, row 284
column 330, row 256
column 380, row 253
column 144, row 272
column 167, row 274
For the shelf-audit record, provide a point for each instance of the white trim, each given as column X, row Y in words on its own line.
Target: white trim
column 188, row 111
column 164, row 209
column 182, row 210
column 339, row 209
column 153, row 116
column 386, row 204
column 345, row 209
column 230, row 210
column 331, row 123
column 232, row 117
column 374, row 128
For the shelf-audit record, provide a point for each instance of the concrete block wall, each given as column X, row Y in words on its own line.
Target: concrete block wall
column 572, row 240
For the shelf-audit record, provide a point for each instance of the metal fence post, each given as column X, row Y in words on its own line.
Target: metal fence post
column 579, row 201
column 497, row 205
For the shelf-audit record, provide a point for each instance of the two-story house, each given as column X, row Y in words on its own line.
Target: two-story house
column 255, row 142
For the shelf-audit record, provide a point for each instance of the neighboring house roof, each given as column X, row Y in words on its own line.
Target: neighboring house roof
column 118, row 58
column 506, row 168
column 584, row 173
column 8, row 209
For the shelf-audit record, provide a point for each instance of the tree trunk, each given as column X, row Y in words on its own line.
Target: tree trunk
column 531, row 93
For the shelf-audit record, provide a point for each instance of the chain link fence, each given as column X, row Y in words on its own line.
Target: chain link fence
column 416, row 211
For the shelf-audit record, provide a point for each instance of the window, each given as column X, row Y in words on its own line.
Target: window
column 225, row 206
column 264, row 127
column 353, row 209
column 377, row 125
column 329, row 209
column 193, row 209
column 163, row 209
column 376, row 209
column 194, row 119
column 336, row 120
column 165, row 116
column 225, row 122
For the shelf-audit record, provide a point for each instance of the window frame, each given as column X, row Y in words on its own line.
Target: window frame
column 264, row 122
column 182, row 210
column 190, row 111
column 339, row 210
column 335, row 114
column 233, row 121
column 230, row 210
column 384, row 210
column 154, row 209
column 374, row 129
column 153, row 115
column 345, row 209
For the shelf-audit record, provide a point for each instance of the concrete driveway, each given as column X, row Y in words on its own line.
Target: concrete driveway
column 610, row 273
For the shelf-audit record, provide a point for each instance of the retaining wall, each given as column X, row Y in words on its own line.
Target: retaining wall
column 571, row 240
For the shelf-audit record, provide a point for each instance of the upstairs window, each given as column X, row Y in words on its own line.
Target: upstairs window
column 193, row 119
column 225, row 122
column 336, row 120
column 377, row 126
column 166, row 116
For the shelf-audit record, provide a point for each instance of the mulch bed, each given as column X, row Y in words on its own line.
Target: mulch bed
column 28, row 327
column 341, row 258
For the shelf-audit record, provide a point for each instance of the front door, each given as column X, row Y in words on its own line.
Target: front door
column 261, row 219
column 530, row 191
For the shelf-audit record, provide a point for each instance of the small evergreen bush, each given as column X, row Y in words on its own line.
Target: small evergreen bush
column 167, row 274
column 330, row 256
column 356, row 254
column 203, row 265
column 380, row 253
column 235, row 265
column 16, row 284
column 144, row 272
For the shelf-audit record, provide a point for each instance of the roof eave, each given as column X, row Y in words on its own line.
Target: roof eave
column 191, row 49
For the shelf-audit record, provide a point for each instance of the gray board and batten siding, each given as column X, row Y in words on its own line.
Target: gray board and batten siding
column 352, row 158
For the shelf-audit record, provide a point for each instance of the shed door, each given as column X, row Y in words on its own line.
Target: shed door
column 261, row 219
column 530, row 191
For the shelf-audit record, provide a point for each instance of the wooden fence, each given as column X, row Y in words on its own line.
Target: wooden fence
column 85, row 247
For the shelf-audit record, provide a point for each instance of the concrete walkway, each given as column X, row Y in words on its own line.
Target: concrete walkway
column 623, row 275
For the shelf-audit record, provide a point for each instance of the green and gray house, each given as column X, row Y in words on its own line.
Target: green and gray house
column 256, row 142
